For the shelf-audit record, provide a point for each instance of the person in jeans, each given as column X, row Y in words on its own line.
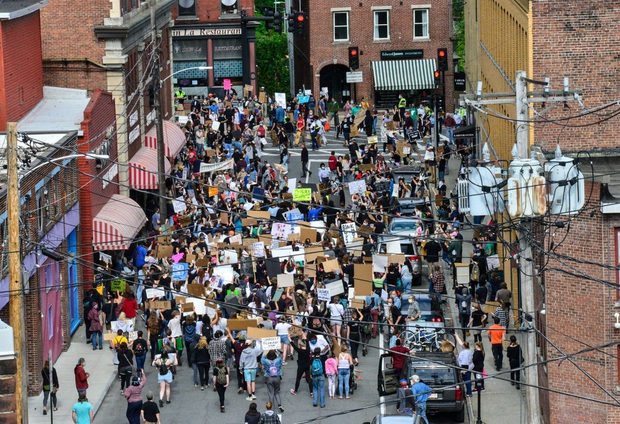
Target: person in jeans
column 318, row 380
column 201, row 359
column 515, row 359
column 304, row 358
column 421, row 392
column 49, row 391
column 345, row 361
column 497, row 333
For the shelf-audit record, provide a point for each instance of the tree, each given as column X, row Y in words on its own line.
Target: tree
column 458, row 12
column 272, row 62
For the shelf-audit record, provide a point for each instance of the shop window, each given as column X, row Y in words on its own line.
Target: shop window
column 420, row 24
column 187, row 8
column 341, row 26
column 190, row 54
column 229, row 7
column 382, row 25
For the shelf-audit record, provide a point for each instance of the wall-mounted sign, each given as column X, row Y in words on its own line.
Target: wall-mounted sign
column 205, row 32
column 402, row 54
column 459, row 81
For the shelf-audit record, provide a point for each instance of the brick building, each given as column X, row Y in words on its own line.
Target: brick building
column 209, row 33
column 576, row 289
column 397, row 44
column 108, row 45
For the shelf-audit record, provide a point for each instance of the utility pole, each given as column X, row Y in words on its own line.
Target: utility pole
column 521, row 98
column 16, row 308
column 290, row 37
column 159, row 120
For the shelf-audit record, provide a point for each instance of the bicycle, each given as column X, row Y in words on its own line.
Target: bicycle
column 423, row 339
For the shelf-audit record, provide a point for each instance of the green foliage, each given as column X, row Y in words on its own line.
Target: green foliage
column 458, row 11
column 272, row 61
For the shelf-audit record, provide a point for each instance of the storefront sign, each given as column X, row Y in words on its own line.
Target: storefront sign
column 109, row 175
column 459, row 81
column 402, row 54
column 205, row 32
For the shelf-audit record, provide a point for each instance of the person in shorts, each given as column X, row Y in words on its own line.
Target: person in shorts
column 248, row 362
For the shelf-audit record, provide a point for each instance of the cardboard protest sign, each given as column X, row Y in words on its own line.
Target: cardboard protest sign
column 259, row 214
column 331, row 265
column 310, row 270
column 357, row 303
column 159, row 304
column 202, row 263
column 286, row 280
column 335, row 288
column 196, row 289
column 187, row 307
column 278, row 293
column 163, row 251
column 241, row 324
column 108, row 337
column 260, row 333
column 323, row 294
column 249, row 222
column 312, row 253
column 271, row 343
column 396, row 259
column 363, row 279
column 210, row 304
column 366, row 167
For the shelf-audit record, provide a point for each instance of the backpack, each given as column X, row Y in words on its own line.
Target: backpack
column 273, row 370
column 163, row 368
column 474, row 275
column 221, row 376
column 207, row 332
column 317, row 367
column 140, row 348
column 464, row 308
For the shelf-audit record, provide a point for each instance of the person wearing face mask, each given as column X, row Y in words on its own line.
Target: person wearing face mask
column 324, row 174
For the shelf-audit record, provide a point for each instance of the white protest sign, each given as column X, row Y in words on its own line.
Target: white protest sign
column 280, row 98
column 286, row 280
column 179, row 205
column 349, row 232
column 225, row 273
column 215, row 125
column 358, row 186
column 281, row 230
column 217, row 166
column 323, row 294
column 258, row 249
column 155, row 293
column 379, row 263
column 283, row 253
column 292, row 183
column 335, row 288
column 271, row 343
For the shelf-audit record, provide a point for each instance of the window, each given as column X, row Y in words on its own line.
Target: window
column 50, row 322
column 420, row 24
column 382, row 25
column 341, row 26
column 229, row 7
column 49, row 275
column 43, row 210
column 187, row 8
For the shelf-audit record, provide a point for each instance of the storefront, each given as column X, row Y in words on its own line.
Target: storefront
column 220, row 48
column 410, row 77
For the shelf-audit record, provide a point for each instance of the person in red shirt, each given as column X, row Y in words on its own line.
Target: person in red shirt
column 332, row 162
column 81, row 377
column 130, row 306
column 399, row 356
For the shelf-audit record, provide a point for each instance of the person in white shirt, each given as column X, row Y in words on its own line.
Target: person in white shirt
column 282, row 328
column 336, row 311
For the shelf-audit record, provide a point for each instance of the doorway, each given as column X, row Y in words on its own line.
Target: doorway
column 334, row 77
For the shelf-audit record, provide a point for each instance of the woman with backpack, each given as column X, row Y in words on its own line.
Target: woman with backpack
column 189, row 331
column 202, row 359
column 164, row 376
column 272, row 364
column 222, row 380
column 125, row 365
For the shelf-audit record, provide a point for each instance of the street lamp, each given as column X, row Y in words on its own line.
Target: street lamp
column 161, row 155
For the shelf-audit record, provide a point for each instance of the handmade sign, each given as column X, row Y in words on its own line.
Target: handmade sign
column 259, row 214
column 179, row 205
column 258, row 249
column 331, row 265
column 323, row 294
column 241, row 324
column 196, row 289
column 379, row 263
column 363, row 279
column 335, row 288
column 158, row 304
column 302, row 195
column 281, row 230
column 118, row 285
column 271, row 343
column 179, row 271
column 153, row 293
column 357, row 187
column 260, row 333
column 286, row 280
column 349, row 232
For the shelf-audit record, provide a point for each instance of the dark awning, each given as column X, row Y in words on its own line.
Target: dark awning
column 468, row 131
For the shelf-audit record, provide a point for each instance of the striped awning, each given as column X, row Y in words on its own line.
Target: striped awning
column 404, row 74
column 174, row 138
column 117, row 223
column 143, row 173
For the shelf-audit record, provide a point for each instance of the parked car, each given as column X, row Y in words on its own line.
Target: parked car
column 430, row 308
column 439, row 370
column 390, row 419
column 397, row 245
column 406, row 226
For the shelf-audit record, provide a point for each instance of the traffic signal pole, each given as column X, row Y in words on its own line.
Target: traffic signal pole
column 290, row 48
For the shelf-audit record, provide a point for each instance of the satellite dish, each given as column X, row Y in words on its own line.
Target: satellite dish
column 229, row 2
column 186, row 4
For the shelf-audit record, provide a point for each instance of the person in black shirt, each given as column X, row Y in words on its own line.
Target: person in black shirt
column 304, row 161
column 354, row 333
column 150, row 410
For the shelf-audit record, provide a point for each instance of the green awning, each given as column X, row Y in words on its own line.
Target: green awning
column 404, row 74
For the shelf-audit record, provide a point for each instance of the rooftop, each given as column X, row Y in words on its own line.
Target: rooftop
column 13, row 9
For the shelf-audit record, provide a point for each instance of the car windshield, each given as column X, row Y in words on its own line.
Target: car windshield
column 434, row 376
column 405, row 226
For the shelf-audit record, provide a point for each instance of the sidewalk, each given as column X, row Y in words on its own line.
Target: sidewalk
column 501, row 402
column 102, row 375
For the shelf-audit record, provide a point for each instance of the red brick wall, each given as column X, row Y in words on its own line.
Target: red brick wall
column 21, row 80
column 323, row 51
column 98, row 116
column 566, row 37
column 583, row 310
column 67, row 32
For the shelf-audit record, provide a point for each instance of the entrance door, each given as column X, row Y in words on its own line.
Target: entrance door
column 334, row 77
column 73, row 294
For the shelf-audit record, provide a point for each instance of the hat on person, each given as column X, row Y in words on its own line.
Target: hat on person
column 241, row 337
column 415, row 378
column 403, row 382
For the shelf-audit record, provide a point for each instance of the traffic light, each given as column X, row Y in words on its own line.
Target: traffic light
column 269, row 13
column 442, row 59
column 300, row 23
column 277, row 21
column 437, row 76
column 354, row 58
column 292, row 21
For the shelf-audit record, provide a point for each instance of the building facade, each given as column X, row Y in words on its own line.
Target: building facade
column 210, row 33
column 397, row 43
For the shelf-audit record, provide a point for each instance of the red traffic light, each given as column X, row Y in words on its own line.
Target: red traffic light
column 300, row 18
column 441, row 53
column 353, row 52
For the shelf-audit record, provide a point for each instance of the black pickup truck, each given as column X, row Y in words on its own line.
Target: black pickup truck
column 439, row 370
